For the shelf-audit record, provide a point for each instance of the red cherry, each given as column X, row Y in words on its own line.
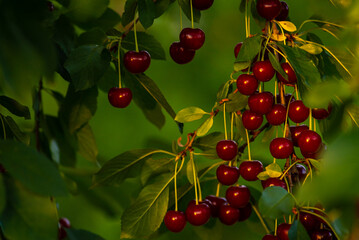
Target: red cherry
column 227, row 149
column 274, row 182
column 198, row 214
column 62, row 234
column 238, row 196
column 261, row 103
column 292, row 78
column 309, row 221
column 302, row 172
column 192, row 38
column 321, row 113
column 237, row 48
column 228, row 214
column 64, row 222
column 295, row 132
column 245, row 212
column 202, row 4
column 268, row 9
column 287, row 97
column 119, row 97
column 281, row 148
column 216, row 204
column 204, row 201
column 309, row 141
column 276, row 116
column 175, row 221
column 321, row 234
column 247, row 84
column 250, row 169
column 263, row 71
column 180, row 54
column 251, row 120
column 137, row 62
column 282, row 231
column 227, row 175
column 316, row 155
column 284, row 12
column 298, row 112
column 270, row 237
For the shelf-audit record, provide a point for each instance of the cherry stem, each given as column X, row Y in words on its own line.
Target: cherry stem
column 249, row 148
column 175, row 183
column 199, row 188
column 315, row 125
column 296, row 91
column 3, row 126
column 191, row 14
column 181, row 23
column 286, row 118
column 275, row 226
column 119, row 62
column 286, row 171
column 275, row 91
column 260, row 219
column 310, row 119
column 194, row 176
column 232, row 120
column 135, row 32
column 224, row 121
column 269, row 32
column 218, row 188
column 246, row 19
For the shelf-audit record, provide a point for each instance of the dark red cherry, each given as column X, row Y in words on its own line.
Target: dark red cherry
column 284, row 12
column 309, row 221
column 295, row 132
column 287, row 97
column 270, row 237
column 281, row 148
column 268, row 9
column 180, row 54
column 245, row 212
column 321, row 113
column 292, row 78
column 317, row 155
column 238, row 196
column 302, row 172
column 261, row 103
column 227, row 149
column 276, row 115
column 250, row 169
column 137, row 62
column 64, row 222
column 228, row 214
column 198, row 214
column 216, row 204
column 309, row 141
column 175, row 221
column 62, row 234
column 321, row 234
column 192, row 38
column 251, row 120
column 298, row 112
column 202, row 4
column 227, row 175
column 237, row 48
column 247, row 84
column 119, row 97
column 263, row 71
column 274, row 182
column 282, row 231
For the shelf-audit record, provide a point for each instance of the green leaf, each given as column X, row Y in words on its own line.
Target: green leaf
column 297, row 231
column 186, row 8
column 83, row 11
column 87, row 144
column 209, row 141
column 145, row 42
column 205, row 127
column 93, row 36
column 130, row 10
column 263, row 176
column 238, row 66
column 331, row 126
column 189, row 171
column 242, row 6
column 161, row 6
column 258, row 19
column 236, row 102
column 56, row 95
column 189, row 114
column 146, row 214
column 87, row 64
column 317, row 164
column 155, row 166
column 288, row 26
column 238, row 123
column 223, row 91
column 274, row 170
column 2, row 194
column 108, row 20
column 77, row 234
column 275, row 202
column 21, row 136
column 250, row 48
column 276, row 65
column 312, row 49
column 14, row 107
column 146, row 12
column 268, row 134
column 32, row 169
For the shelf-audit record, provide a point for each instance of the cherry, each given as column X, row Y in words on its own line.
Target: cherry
column 274, row 182
column 137, row 62
column 263, row 71
column 316, row 155
column 245, row 212
column 309, row 141
column 227, row 149
column 175, row 221
column 321, row 234
column 309, row 221
column 192, row 38
column 261, row 103
column 202, row 4
column 62, row 234
column 292, row 78
column 238, row 196
column 282, row 231
column 228, row 214
column 296, row 131
column 270, row 237
column 250, row 169
column 216, row 204
column 180, row 54
column 298, row 112
column 247, row 84
column 276, row 116
column 120, row 97
column 227, row 175
column 302, row 172
column 237, row 48
column 198, row 214
column 268, row 9
column 251, row 120
column 287, row 97
column 281, row 148
column 321, row 113
column 64, row 222
column 204, row 201
column 284, row 12
column 50, row 6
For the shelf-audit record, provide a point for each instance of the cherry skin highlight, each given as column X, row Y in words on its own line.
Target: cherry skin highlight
column 261, row 103
column 227, row 149
column 180, row 54
column 238, row 196
column 298, row 112
column 281, row 148
column 227, row 175
column 249, row 170
column 251, row 120
column 137, row 62
column 292, row 78
column 247, row 84
column 277, row 114
column 228, row 215
column 263, row 71
column 119, row 97
column 175, row 221
column 192, row 38
column 268, row 9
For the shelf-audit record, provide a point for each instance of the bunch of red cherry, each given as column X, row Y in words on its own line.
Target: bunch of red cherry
column 63, row 223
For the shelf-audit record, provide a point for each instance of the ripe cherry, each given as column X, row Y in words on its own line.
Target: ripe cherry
column 309, row 141
column 292, row 78
column 251, row 120
column 281, row 148
column 263, row 71
column 227, row 149
column 309, row 221
column 250, row 169
column 216, row 204
column 198, row 214
column 317, row 155
column 287, row 97
column 276, row 116
column 284, row 12
column 298, row 112
column 63, row 223
column 180, row 54
column 137, row 62
column 270, row 237
column 237, row 48
column 245, row 212
column 295, row 132
column 192, row 38
column 321, row 113
column 274, row 182
column 268, row 9
column 321, row 234
column 202, row 4
column 247, row 84
column 238, row 196
column 282, row 231
column 302, row 172
column 227, row 175
column 175, row 221
column 228, row 214
column 120, row 97
column 261, row 103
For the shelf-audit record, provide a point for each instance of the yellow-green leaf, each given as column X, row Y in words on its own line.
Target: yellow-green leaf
column 288, row 26
column 205, row 127
column 189, row 114
column 278, row 37
column 263, row 176
column 273, row 170
column 312, row 49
